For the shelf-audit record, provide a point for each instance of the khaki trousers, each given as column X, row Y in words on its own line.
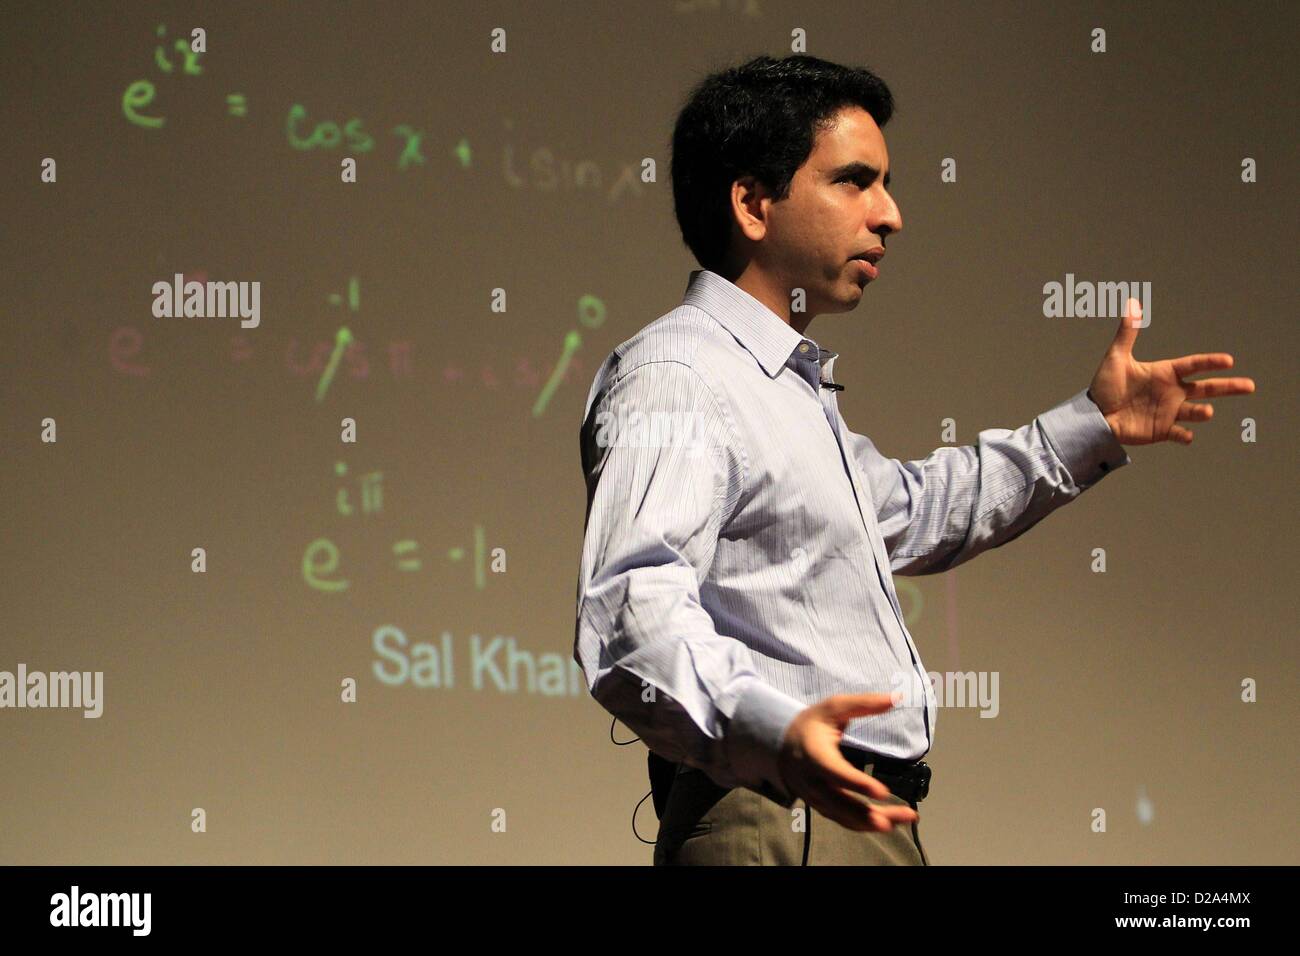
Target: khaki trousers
column 705, row 824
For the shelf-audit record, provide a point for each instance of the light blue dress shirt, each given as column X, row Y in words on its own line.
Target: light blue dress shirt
column 738, row 558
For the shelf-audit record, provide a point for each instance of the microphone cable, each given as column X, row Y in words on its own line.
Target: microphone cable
column 807, row 810
column 624, row 743
column 807, row 831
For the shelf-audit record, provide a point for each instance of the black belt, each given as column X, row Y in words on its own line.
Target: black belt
column 908, row 779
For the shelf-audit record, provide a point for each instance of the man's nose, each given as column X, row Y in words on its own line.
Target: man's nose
column 889, row 220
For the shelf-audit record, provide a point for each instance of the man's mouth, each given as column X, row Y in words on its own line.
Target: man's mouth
column 868, row 259
column 870, row 270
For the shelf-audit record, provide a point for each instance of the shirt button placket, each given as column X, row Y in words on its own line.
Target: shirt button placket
column 877, row 553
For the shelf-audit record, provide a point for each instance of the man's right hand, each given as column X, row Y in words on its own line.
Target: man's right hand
column 813, row 769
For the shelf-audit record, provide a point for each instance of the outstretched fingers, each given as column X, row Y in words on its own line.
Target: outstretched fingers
column 845, row 810
column 1214, row 387
column 1195, row 412
column 1201, row 362
column 852, row 811
column 838, row 772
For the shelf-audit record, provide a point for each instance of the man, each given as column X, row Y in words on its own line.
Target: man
column 736, row 606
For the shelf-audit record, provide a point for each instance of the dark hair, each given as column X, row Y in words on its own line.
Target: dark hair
column 759, row 119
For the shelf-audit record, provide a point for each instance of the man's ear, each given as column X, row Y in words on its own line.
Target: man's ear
column 747, row 206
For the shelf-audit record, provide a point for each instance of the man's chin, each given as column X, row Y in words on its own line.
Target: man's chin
column 854, row 297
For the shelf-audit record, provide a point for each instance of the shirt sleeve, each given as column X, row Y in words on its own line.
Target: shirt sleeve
column 940, row 511
column 650, row 651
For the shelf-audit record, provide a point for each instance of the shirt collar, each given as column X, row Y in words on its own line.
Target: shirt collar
column 760, row 330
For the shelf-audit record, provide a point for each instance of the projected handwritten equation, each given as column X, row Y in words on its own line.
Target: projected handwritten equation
column 364, row 496
column 371, row 497
column 140, row 107
column 543, row 167
column 322, row 359
column 140, row 94
column 308, row 360
column 591, row 313
column 321, row 560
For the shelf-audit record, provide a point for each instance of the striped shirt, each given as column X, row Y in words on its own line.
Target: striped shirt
column 740, row 542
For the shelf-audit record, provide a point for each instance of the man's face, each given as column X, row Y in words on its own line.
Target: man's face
column 838, row 207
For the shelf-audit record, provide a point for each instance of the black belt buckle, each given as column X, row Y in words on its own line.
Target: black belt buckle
column 911, row 780
column 898, row 775
column 922, row 780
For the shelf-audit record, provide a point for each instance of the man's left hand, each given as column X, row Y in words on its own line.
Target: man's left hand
column 1142, row 401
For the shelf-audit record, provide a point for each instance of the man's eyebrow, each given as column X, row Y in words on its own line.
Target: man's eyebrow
column 857, row 168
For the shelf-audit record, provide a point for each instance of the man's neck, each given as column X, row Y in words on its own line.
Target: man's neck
column 775, row 298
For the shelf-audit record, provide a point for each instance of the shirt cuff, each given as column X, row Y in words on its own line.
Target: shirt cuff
column 753, row 739
column 1082, row 439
